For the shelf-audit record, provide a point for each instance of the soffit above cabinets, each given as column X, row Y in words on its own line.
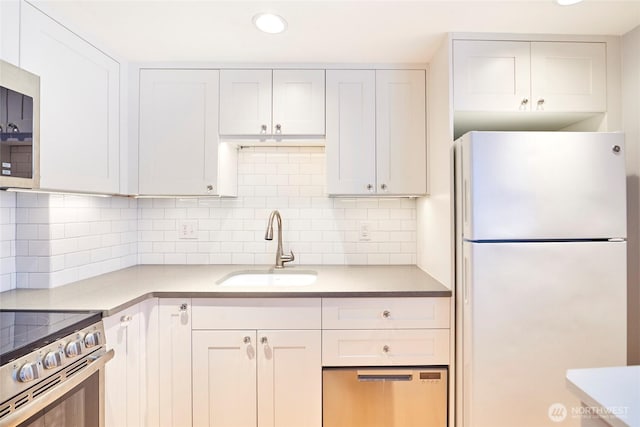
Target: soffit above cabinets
column 321, row 31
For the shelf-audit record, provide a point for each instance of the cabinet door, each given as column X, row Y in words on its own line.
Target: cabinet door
column 568, row 77
column 351, row 132
column 79, row 103
column 491, row 75
column 401, row 154
column 178, row 132
column 245, row 102
column 175, row 362
column 10, row 31
column 298, row 102
column 224, row 378
column 122, row 374
column 289, row 379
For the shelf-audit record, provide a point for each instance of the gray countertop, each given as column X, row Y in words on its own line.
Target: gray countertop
column 115, row 291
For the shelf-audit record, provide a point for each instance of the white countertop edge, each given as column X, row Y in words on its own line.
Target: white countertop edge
column 609, row 388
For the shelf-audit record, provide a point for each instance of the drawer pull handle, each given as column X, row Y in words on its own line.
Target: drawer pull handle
column 386, row 314
column 386, row 349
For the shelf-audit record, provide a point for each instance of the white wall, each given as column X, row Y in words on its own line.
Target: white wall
column 631, row 127
column 435, row 212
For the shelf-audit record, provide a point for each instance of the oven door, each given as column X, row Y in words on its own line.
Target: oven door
column 78, row 401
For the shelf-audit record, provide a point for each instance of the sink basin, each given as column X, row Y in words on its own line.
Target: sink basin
column 269, row 278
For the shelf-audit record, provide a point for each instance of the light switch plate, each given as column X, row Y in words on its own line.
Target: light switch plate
column 365, row 231
column 187, row 229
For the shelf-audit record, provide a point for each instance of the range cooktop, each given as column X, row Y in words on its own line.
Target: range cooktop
column 22, row 332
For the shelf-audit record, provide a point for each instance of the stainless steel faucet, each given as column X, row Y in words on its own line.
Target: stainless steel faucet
column 281, row 258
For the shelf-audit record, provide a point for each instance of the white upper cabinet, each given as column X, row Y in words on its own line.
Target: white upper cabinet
column 491, row 76
column 350, row 146
column 298, row 102
column 265, row 103
column 568, row 77
column 401, row 132
column 522, row 76
column 80, row 113
column 376, row 132
column 245, row 102
column 179, row 150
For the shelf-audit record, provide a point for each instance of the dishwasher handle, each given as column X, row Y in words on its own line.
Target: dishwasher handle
column 385, row 375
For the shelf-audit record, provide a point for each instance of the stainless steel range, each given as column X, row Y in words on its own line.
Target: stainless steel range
column 52, row 369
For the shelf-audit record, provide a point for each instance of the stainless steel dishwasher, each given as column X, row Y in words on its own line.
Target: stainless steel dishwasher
column 384, row 397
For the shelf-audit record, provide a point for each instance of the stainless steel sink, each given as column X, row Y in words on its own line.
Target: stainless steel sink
column 269, row 278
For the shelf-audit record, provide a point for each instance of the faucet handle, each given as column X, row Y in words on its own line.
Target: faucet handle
column 288, row 258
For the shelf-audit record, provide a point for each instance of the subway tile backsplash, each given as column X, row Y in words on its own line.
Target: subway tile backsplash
column 49, row 240
column 64, row 238
column 318, row 229
column 7, row 241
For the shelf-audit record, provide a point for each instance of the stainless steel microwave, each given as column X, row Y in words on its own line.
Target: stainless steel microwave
column 19, row 127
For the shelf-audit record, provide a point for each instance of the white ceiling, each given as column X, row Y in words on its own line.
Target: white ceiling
column 326, row 31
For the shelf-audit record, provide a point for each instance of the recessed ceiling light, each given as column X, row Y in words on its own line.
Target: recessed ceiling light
column 270, row 23
column 567, row 2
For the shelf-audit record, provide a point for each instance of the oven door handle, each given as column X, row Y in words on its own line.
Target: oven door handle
column 96, row 363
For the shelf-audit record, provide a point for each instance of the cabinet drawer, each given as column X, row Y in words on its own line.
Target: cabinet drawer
column 385, row 313
column 247, row 313
column 385, row 347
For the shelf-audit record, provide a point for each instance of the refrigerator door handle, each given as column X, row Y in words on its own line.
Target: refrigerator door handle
column 465, row 201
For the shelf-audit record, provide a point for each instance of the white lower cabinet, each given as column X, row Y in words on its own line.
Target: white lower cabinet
column 385, row 331
column 256, row 377
column 174, row 362
column 256, row 362
column 126, row 373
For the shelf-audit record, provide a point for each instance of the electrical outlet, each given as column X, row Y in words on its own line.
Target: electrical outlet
column 365, row 231
column 187, row 229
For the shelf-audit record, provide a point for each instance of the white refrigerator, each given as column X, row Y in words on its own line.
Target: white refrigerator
column 540, row 272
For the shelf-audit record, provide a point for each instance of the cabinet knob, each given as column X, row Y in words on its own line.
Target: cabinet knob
column 386, row 314
column 278, row 129
column 263, row 129
column 209, row 188
column 125, row 320
column 183, row 307
column 264, row 340
column 386, row 349
column 370, row 187
column 540, row 105
column 246, row 340
column 616, row 149
column 383, row 187
column 523, row 103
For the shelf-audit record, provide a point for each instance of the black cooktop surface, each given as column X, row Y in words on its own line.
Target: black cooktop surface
column 22, row 332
